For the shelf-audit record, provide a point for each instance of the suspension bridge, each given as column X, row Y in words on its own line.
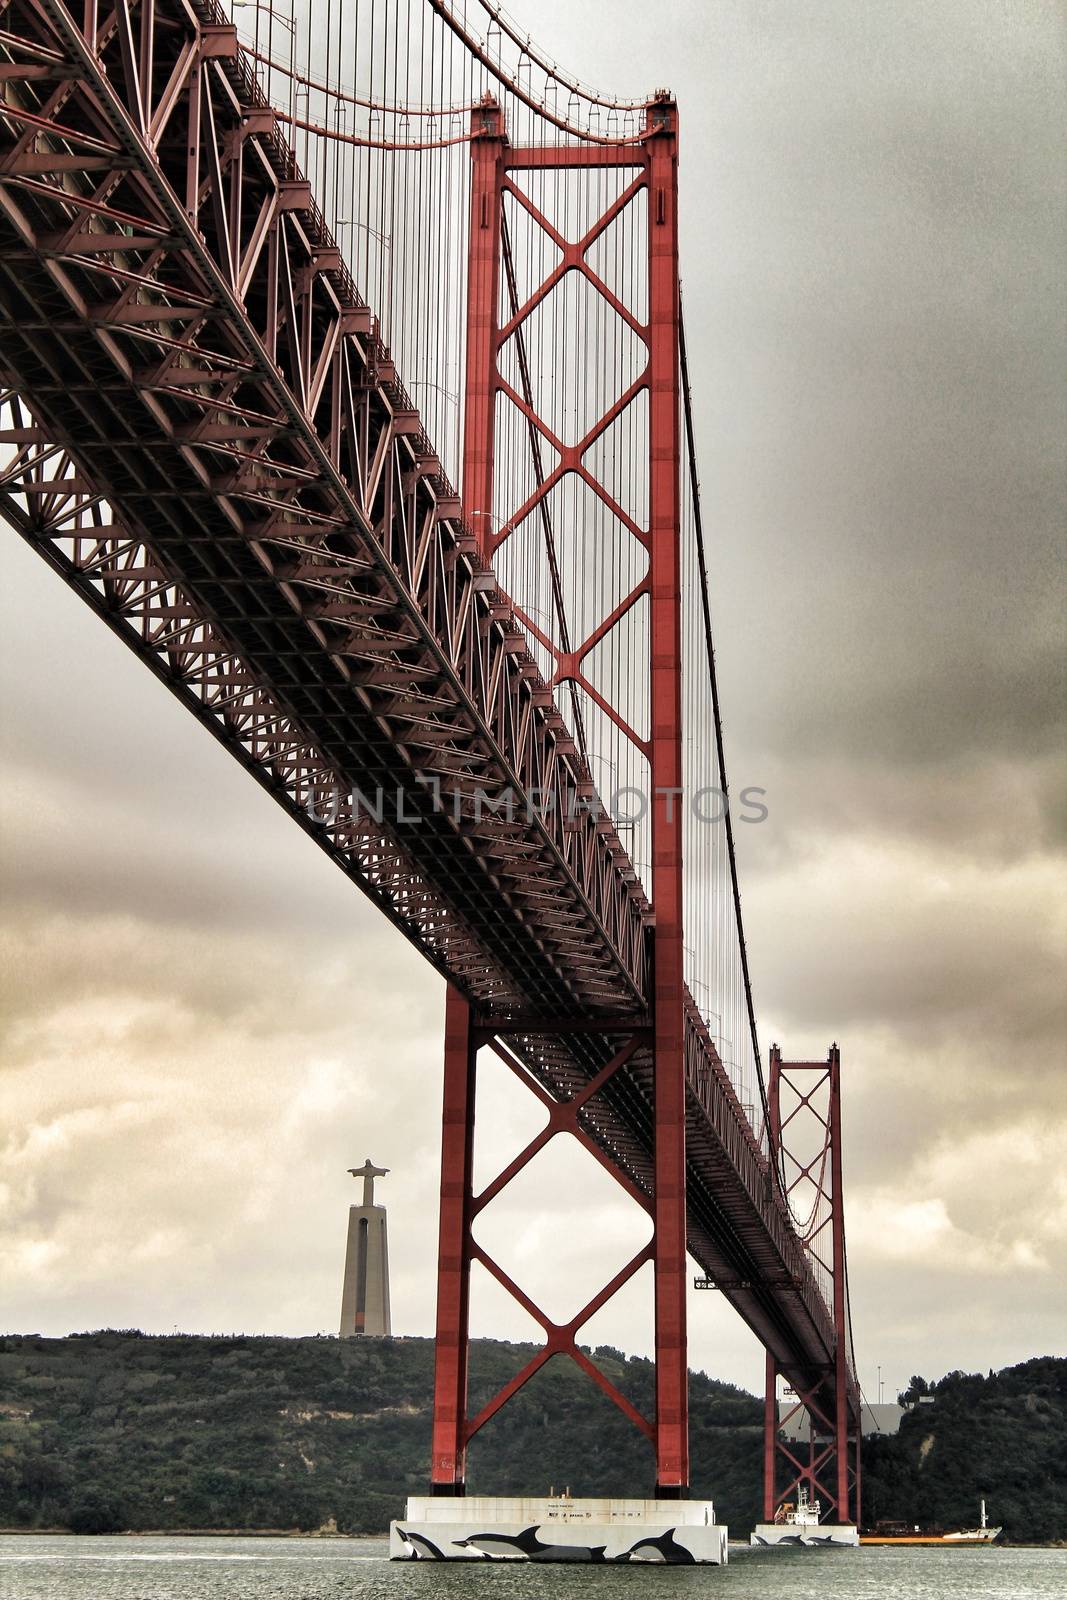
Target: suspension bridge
column 343, row 374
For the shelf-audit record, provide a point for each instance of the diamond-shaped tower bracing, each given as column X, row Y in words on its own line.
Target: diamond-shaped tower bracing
column 365, row 1296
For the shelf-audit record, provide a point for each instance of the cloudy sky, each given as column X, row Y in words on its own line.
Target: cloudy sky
column 205, row 1025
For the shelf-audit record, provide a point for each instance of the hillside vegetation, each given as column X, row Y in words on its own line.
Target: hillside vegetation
column 117, row 1430
column 1003, row 1436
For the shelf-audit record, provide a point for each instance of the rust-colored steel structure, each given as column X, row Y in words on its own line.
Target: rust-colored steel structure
column 651, row 171
column 830, row 1466
column 203, row 432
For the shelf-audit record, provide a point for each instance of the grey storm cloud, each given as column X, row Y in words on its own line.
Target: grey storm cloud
column 205, row 1024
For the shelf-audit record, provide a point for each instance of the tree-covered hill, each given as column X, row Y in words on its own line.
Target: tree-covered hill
column 1003, row 1437
column 117, row 1430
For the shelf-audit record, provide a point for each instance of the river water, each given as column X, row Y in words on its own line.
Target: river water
column 40, row 1567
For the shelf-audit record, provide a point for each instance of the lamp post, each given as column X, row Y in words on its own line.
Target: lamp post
column 288, row 23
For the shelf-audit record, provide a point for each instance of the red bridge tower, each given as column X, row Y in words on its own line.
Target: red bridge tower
column 651, row 182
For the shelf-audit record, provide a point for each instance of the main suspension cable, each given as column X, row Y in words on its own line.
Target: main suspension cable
column 549, row 68
column 698, row 524
column 512, row 85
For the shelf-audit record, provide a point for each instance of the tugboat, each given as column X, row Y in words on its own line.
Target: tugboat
column 802, row 1524
column 903, row 1533
column 805, row 1514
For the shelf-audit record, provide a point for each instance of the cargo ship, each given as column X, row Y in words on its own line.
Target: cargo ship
column 904, row 1533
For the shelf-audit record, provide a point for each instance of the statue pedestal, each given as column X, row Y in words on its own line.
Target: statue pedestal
column 365, row 1296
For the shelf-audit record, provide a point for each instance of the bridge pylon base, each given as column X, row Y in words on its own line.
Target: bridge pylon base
column 483, row 1528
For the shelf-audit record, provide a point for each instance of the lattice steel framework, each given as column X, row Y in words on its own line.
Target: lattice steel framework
column 654, row 181
column 808, row 1137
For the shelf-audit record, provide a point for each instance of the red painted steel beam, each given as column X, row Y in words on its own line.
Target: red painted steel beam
column 483, row 289
column 841, row 1373
column 770, row 1439
column 448, row 1453
column 450, row 1428
column 672, row 1371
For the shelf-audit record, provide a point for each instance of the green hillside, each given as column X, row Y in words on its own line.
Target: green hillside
column 120, row 1430
column 1003, row 1436
column 117, row 1430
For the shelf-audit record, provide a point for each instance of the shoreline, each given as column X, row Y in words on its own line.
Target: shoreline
column 291, row 1533
column 190, row 1533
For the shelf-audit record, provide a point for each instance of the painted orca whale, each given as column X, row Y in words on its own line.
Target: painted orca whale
column 529, row 1545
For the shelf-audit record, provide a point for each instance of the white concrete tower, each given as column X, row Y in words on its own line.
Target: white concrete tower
column 365, row 1297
